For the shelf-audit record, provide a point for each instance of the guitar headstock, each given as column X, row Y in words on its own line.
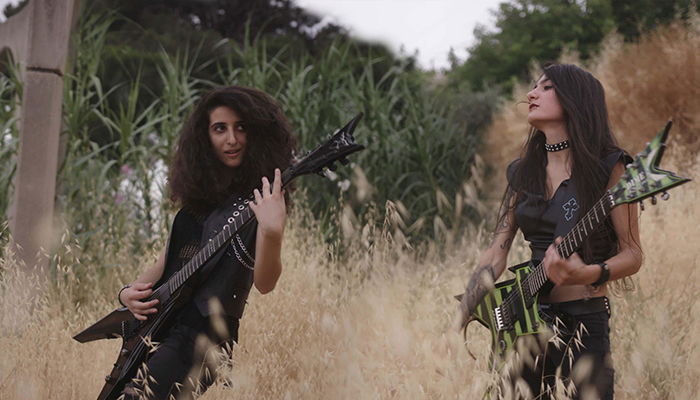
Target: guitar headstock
column 643, row 178
column 337, row 148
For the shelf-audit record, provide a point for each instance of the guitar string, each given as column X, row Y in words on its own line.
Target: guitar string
column 510, row 300
column 537, row 271
column 286, row 176
column 185, row 272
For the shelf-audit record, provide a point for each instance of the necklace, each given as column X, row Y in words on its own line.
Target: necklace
column 557, row 146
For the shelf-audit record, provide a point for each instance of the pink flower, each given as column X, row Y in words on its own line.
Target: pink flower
column 126, row 170
column 118, row 198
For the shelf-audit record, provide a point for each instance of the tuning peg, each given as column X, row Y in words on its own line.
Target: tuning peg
column 344, row 160
column 641, row 205
column 333, row 167
column 653, row 200
column 321, row 173
column 665, row 196
column 628, row 166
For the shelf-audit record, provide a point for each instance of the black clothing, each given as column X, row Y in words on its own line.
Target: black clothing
column 595, row 346
column 231, row 278
column 541, row 221
column 178, row 361
column 176, row 364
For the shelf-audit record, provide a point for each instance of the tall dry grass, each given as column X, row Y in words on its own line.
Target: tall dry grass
column 369, row 325
column 646, row 83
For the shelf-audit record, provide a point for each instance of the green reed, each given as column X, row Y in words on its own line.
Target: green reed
column 118, row 140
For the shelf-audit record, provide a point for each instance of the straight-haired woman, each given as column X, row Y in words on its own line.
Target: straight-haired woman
column 569, row 159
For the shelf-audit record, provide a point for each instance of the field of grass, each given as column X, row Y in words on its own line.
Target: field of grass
column 368, row 323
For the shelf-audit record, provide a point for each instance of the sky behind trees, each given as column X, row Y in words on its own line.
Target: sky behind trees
column 431, row 27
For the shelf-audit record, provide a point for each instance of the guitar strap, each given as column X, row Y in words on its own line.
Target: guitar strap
column 211, row 226
column 214, row 223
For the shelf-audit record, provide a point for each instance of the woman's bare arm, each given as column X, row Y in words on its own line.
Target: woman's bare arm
column 491, row 264
column 270, row 210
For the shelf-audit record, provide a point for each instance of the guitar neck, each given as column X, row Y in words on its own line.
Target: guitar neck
column 573, row 240
column 240, row 218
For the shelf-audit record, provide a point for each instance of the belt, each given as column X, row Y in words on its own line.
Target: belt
column 581, row 307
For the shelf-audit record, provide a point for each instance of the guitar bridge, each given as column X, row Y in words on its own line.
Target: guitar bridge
column 130, row 328
column 498, row 319
column 502, row 320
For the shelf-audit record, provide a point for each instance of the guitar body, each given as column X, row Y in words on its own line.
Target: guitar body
column 527, row 320
column 136, row 336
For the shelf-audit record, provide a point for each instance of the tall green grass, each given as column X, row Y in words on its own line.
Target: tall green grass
column 118, row 139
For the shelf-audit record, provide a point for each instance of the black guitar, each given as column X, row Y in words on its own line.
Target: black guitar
column 174, row 292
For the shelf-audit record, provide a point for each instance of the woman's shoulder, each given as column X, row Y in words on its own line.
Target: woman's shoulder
column 512, row 169
column 614, row 157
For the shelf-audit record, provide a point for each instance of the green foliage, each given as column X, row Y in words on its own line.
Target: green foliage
column 635, row 16
column 539, row 31
column 119, row 134
column 533, row 29
column 10, row 98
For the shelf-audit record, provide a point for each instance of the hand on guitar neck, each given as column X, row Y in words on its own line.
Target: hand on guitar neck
column 568, row 271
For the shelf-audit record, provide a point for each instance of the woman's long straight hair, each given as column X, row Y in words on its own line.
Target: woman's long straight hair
column 582, row 98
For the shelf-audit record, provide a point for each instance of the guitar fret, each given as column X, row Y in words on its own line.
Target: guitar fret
column 215, row 244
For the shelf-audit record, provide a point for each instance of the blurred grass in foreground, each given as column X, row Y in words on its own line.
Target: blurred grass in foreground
column 366, row 323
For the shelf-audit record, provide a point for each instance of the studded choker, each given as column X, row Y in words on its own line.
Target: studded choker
column 557, row 146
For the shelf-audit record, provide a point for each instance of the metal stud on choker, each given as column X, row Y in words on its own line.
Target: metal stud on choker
column 557, row 146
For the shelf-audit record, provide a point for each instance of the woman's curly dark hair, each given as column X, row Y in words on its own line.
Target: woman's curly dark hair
column 197, row 179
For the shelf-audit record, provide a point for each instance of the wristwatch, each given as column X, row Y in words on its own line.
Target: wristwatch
column 604, row 274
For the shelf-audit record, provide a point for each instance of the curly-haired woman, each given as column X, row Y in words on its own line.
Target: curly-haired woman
column 235, row 141
column 570, row 158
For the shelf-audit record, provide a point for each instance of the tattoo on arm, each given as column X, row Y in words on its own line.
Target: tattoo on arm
column 493, row 240
column 503, row 224
column 506, row 244
column 480, row 284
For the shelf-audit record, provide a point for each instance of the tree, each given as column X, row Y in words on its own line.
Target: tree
column 631, row 15
column 532, row 29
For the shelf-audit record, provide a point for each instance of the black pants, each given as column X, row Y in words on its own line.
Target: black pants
column 176, row 369
column 592, row 358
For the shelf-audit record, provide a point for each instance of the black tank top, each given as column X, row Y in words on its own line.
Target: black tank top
column 541, row 221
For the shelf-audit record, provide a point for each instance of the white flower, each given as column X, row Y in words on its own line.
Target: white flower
column 331, row 175
column 344, row 185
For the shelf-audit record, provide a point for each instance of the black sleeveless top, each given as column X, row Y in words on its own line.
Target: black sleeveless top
column 231, row 277
column 541, row 221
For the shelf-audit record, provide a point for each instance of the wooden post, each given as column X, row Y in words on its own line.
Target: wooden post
column 38, row 36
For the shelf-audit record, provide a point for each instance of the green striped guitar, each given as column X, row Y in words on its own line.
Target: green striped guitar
column 511, row 310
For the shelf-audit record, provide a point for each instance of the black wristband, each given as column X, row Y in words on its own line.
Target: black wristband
column 604, row 274
column 119, row 296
